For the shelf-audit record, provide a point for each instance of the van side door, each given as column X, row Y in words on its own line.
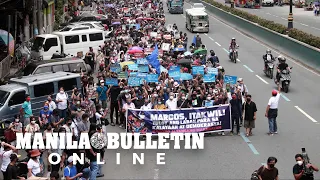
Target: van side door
column 15, row 102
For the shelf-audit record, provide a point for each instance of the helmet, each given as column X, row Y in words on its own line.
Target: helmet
column 268, row 51
column 233, row 38
column 282, row 59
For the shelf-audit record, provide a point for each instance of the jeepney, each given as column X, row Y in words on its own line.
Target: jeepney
column 197, row 20
column 175, row 6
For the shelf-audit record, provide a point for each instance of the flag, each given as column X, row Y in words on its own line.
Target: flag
column 194, row 40
column 153, row 59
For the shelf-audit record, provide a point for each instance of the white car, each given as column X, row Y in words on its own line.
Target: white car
column 267, row 2
column 91, row 24
column 199, row 6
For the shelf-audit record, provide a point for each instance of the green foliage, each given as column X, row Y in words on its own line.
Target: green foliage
column 58, row 13
column 293, row 33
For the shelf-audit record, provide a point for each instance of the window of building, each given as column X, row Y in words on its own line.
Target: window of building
column 18, row 98
column 96, row 37
column 67, row 84
column 72, row 39
column 43, row 89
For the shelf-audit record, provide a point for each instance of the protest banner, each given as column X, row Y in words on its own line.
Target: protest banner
column 134, row 81
column 142, row 75
column 115, row 68
column 186, row 76
column 133, row 74
column 197, row 70
column 212, row 70
column 143, row 68
column 152, row 78
column 165, row 46
column 174, row 72
column 111, row 81
column 196, row 120
column 142, row 61
column 123, row 75
column 133, row 67
column 209, row 78
column 230, row 79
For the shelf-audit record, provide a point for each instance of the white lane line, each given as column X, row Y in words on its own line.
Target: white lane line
column 248, row 68
column 225, row 50
column 307, row 115
column 304, row 24
column 217, row 43
column 206, row 34
column 262, row 79
column 268, row 13
column 211, row 38
column 238, row 60
column 275, row 15
column 156, row 174
column 266, row 46
column 284, row 18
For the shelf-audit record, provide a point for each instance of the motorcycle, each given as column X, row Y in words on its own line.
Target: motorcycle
column 285, row 80
column 269, row 68
column 233, row 56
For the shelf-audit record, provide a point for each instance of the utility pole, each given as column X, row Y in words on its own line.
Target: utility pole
column 34, row 18
column 40, row 17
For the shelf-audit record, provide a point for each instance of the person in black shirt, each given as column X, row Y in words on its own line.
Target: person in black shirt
column 299, row 169
column 249, row 110
column 235, row 113
column 12, row 170
column 281, row 66
column 92, row 154
column 183, row 102
column 114, row 92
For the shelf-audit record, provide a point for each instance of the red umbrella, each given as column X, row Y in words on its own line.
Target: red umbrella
column 134, row 51
column 148, row 19
column 139, row 18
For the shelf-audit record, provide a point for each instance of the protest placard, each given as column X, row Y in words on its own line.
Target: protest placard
column 197, row 70
column 208, row 78
column 230, row 79
column 115, row 68
column 142, row 75
column 123, row 75
column 133, row 74
column 186, row 76
column 143, row 68
column 152, row 78
column 133, row 67
column 206, row 119
column 111, row 81
column 134, row 81
column 165, row 46
column 174, row 72
column 142, row 61
column 211, row 70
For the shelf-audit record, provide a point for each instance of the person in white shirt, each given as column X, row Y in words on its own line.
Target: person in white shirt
column 62, row 102
column 34, row 165
column 52, row 104
column 128, row 105
column 171, row 103
column 5, row 153
column 147, row 105
column 272, row 111
column 244, row 89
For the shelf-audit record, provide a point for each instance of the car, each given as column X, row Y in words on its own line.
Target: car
column 74, row 28
column 267, row 2
column 199, row 6
column 91, row 24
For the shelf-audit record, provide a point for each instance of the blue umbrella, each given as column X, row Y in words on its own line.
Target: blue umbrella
column 179, row 49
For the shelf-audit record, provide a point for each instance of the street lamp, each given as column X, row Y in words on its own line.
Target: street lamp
column 290, row 17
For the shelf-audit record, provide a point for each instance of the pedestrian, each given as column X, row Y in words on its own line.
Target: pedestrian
column 272, row 111
column 70, row 171
column 102, row 94
column 235, row 113
column 6, row 151
column 26, row 110
column 299, row 172
column 249, row 111
column 62, row 102
column 269, row 172
column 12, row 170
column 16, row 127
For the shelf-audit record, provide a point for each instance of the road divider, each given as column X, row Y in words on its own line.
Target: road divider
column 307, row 115
column 253, row 149
column 248, row 68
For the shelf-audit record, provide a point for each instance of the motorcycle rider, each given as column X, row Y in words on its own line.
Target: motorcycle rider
column 268, row 58
column 213, row 58
column 198, row 41
column 281, row 66
column 233, row 46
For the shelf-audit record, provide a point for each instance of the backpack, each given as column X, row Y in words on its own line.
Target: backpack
column 255, row 174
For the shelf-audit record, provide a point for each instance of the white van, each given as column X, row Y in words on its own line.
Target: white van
column 70, row 43
column 197, row 20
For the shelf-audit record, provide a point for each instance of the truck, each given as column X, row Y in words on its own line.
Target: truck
column 175, row 6
column 197, row 20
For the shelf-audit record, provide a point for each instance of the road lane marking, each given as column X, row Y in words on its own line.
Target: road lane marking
column 217, row 43
column 238, row 60
column 211, row 38
column 262, row 79
column 268, row 13
column 253, row 149
column 304, row 24
column 284, row 97
column 264, row 45
column 225, row 50
column 247, row 68
column 284, row 18
column 307, row 115
column 156, row 174
column 206, row 34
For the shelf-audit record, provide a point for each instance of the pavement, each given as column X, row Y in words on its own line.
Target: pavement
column 236, row 157
column 302, row 20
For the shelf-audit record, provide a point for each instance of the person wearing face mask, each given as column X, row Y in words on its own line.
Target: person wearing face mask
column 114, row 92
column 196, row 98
column 26, row 110
column 122, row 101
column 269, row 172
column 159, row 105
column 45, row 116
column 32, row 127
column 171, row 103
column 147, row 105
column 6, row 151
column 52, row 104
column 299, row 169
column 34, row 165
column 67, row 126
column 249, row 111
column 235, row 113
column 102, row 94
column 16, row 126
column 183, row 101
column 62, row 102
column 208, row 102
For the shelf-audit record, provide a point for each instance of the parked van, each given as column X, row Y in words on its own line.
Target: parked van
column 73, row 65
column 12, row 95
column 69, row 42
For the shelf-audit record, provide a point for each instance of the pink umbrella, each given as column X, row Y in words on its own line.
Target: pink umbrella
column 136, row 48
column 134, row 51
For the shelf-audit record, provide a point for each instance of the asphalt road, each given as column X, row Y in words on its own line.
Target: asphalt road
column 230, row 157
column 303, row 20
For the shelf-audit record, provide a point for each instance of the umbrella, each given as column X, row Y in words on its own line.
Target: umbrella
column 148, row 19
column 133, row 51
column 136, row 48
column 179, row 49
column 185, row 61
column 188, row 53
column 122, row 64
column 109, row 5
column 200, row 51
column 116, row 23
column 4, row 39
